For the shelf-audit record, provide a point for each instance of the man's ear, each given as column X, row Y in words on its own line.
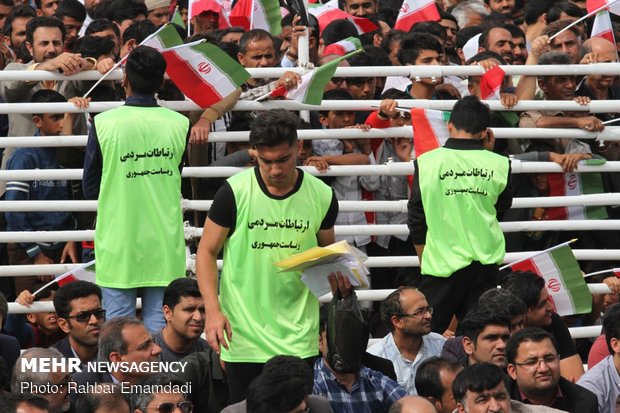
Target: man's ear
column 167, row 313
column 460, row 408
column 615, row 345
column 29, row 47
column 240, row 57
column 451, row 129
column 323, row 120
column 468, row 345
column 542, row 85
column 511, row 369
column 63, row 324
column 37, row 120
column 115, row 357
column 31, row 318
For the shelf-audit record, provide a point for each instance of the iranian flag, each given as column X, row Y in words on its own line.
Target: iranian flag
column 491, row 82
column 430, row 130
column 341, row 48
column 310, row 89
column 328, row 12
column 85, row 272
column 163, row 38
column 177, row 18
column 257, row 14
column 414, row 11
column 602, row 27
column 203, row 72
column 576, row 184
column 611, row 5
column 559, row 268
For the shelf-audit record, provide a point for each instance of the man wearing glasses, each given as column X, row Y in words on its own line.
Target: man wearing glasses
column 408, row 316
column 80, row 315
column 169, row 400
column 534, row 370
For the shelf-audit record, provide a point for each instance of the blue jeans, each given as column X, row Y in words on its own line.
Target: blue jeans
column 122, row 302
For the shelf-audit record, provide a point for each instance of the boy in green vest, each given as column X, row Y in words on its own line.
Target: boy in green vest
column 458, row 190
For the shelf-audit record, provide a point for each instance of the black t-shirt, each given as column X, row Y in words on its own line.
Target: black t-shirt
column 559, row 330
column 223, row 211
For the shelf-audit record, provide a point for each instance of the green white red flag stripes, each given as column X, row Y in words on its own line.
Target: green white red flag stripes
column 611, row 5
column 576, row 184
column 257, row 14
column 163, row 38
column 310, row 89
column 602, row 27
column 85, row 272
column 430, row 130
column 491, row 83
column 203, row 72
column 414, row 11
column 350, row 44
column 566, row 286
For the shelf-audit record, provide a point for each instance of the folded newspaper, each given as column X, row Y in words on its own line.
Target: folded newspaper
column 317, row 263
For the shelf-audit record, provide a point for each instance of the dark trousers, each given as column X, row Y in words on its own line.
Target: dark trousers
column 240, row 375
column 458, row 293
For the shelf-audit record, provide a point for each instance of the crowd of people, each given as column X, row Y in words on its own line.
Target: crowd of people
column 447, row 339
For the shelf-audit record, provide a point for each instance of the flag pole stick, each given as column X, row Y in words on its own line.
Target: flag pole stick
column 189, row 18
column 607, row 122
column 601, row 272
column 120, row 62
column 538, row 253
column 579, row 20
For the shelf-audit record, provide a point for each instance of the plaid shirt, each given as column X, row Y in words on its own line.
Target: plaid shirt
column 373, row 392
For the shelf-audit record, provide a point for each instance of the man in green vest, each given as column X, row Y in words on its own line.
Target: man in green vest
column 133, row 163
column 258, row 217
column 458, row 190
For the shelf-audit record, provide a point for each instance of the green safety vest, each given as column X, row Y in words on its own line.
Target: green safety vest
column 459, row 190
column 271, row 312
column 139, row 240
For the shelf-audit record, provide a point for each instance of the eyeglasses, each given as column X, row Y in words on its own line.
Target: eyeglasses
column 84, row 316
column 185, row 407
column 549, row 360
column 418, row 313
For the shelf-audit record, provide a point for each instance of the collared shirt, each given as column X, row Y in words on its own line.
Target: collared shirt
column 556, row 399
column 405, row 369
column 604, row 381
column 373, row 392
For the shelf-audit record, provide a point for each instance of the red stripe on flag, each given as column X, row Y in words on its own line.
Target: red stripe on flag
column 66, row 280
column 362, row 24
column 423, row 134
column 240, row 15
column 592, row 5
column 427, row 13
column 491, row 82
column 617, row 274
column 189, row 81
column 278, row 92
column 557, row 187
column 526, row 265
column 607, row 35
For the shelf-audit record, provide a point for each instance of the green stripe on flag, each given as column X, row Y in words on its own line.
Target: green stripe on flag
column 594, row 162
column 320, row 77
column 569, row 271
column 177, row 18
column 273, row 14
column 592, row 183
column 169, row 37
column 216, row 56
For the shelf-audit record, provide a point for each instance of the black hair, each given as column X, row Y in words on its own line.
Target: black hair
column 222, row 33
column 533, row 334
column 312, row 20
column 481, row 316
column 271, row 393
column 71, row 8
column 273, row 128
column 109, row 400
column 140, row 400
column 611, row 325
column 4, row 309
column 145, row 70
column 93, row 46
column 534, row 9
column 512, row 305
column 470, row 115
column 515, row 31
column 433, row 28
column 10, row 401
column 177, row 289
column 338, row 30
column 526, row 285
column 73, row 291
column 487, row 54
column 391, row 306
column 394, row 93
column 139, row 31
column 100, row 25
column 476, row 378
column 566, row 7
column 290, row 366
column 559, row 25
column 448, row 16
column 335, row 94
column 390, row 38
column 377, row 55
column 360, row 60
column 19, row 11
column 46, row 96
column 43, row 21
column 413, row 44
column 428, row 379
column 463, row 35
column 254, row 35
column 121, row 10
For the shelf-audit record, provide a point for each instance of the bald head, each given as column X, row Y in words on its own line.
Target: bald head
column 413, row 404
column 603, row 48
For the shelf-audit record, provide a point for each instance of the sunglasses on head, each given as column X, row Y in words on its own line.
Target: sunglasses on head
column 84, row 316
column 184, row 407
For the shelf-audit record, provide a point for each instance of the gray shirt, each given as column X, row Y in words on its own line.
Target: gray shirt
column 167, row 355
column 604, row 381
